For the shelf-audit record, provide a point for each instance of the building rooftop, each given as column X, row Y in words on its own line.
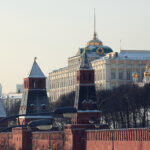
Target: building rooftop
column 60, row 69
column 36, row 72
column 134, row 54
column 127, row 55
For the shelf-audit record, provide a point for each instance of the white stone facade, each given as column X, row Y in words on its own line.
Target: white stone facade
column 111, row 70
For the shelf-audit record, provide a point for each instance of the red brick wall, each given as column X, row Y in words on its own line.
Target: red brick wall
column 22, row 138
column 6, row 141
column 76, row 137
column 131, row 139
column 84, row 117
column 47, row 140
column 86, row 72
column 68, row 142
column 28, row 83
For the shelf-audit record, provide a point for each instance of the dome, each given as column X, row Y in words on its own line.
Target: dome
column 100, row 50
column 135, row 75
column 95, row 41
column 95, row 47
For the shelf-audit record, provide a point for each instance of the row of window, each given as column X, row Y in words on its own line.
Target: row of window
column 86, row 78
column 62, row 83
column 33, row 107
column 100, row 75
column 121, row 75
column 34, row 84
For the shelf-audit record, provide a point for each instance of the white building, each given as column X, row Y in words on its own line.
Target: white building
column 2, row 110
column 0, row 89
column 19, row 88
column 10, row 100
column 111, row 68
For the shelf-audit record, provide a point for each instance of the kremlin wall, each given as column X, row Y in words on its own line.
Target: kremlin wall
column 76, row 137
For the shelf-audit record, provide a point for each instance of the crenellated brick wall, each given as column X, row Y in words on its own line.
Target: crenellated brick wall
column 125, row 139
column 76, row 137
column 47, row 140
column 6, row 141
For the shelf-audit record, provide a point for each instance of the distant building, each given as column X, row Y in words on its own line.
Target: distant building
column 19, row 88
column 112, row 69
column 146, row 78
column 10, row 100
column 2, row 110
column 2, row 115
column 0, row 89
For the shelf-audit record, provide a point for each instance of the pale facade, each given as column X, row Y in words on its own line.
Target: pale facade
column 0, row 89
column 19, row 88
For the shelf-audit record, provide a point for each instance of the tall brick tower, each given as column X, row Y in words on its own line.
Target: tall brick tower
column 85, row 98
column 35, row 100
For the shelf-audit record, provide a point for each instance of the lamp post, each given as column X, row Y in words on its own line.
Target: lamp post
column 49, row 142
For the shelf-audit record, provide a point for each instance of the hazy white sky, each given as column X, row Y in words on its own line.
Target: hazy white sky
column 53, row 30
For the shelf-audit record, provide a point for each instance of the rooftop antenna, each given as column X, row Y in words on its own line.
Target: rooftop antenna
column 94, row 25
column 120, row 44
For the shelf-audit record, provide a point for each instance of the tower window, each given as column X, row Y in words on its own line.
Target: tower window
column 84, row 76
column 43, row 107
column 33, row 84
column 32, row 107
column 40, row 83
column 90, row 77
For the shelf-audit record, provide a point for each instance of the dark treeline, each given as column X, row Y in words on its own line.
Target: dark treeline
column 63, row 101
column 126, row 106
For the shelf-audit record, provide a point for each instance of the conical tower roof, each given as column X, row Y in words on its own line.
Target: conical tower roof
column 36, row 72
column 85, row 63
column 2, row 110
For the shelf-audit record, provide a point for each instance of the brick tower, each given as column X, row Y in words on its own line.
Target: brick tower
column 35, row 100
column 85, row 98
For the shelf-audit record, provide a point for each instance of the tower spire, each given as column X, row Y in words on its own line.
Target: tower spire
column 94, row 26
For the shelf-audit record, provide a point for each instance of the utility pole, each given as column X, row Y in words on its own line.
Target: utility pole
column 49, row 143
column 113, row 140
